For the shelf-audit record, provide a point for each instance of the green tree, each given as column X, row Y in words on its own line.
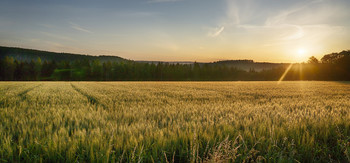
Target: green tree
column 37, row 69
column 8, row 68
column 96, row 70
column 107, row 71
column 313, row 60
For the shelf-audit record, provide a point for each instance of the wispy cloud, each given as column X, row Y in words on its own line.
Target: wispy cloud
column 299, row 33
column 281, row 17
column 216, row 31
column 135, row 14
column 46, row 25
column 79, row 28
column 55, row 36
column 286, row 23
column 160, row 1
column 232, row 13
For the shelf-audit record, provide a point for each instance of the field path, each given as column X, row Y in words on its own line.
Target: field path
column 15, row 93
column 23, row 94
column 92, row 100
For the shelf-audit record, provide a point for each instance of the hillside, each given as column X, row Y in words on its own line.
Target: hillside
column 22, row 54
column 248, row 65
column 30, row 54
column 23, row 65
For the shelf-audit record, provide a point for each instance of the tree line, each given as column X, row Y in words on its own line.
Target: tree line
column 335, row 66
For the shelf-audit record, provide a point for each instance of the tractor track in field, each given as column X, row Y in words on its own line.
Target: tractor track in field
column 23, row 94
column 2, row 104
column 92, row 100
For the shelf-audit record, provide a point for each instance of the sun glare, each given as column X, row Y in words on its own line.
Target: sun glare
column 301, row 51
column 300, row 56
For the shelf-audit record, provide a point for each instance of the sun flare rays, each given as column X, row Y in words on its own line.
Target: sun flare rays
column 285, row 73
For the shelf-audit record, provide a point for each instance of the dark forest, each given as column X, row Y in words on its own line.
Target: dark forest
column 32, row 65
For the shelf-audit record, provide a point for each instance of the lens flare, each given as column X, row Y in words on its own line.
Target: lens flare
column 285, row 73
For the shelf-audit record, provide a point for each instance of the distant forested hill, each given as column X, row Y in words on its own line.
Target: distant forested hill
column 21, row 54
column 18, row 64
column 250, row 65
column 246, row 65
column 27, row 55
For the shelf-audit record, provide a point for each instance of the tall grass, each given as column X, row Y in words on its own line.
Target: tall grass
column 174, row 121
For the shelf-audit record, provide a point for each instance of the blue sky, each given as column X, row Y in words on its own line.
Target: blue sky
column 179, row 30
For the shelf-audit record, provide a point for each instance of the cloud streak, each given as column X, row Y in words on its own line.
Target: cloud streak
column 161, row 1
column 299, row 33
column 55, row 36
column 79, row 28
column 286, row 23
column 216, row 32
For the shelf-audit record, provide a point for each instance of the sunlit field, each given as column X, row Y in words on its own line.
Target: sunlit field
column 175, row 121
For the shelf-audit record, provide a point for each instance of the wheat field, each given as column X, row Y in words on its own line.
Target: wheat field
column 175, row 121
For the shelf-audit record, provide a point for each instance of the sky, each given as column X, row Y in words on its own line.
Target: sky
column 180, row 30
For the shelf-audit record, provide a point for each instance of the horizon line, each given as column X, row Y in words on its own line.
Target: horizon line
column 166, row 61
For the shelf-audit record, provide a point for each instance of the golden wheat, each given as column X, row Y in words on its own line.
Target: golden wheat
column 174, row 121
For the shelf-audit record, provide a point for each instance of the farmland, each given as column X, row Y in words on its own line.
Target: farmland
column 175, row 121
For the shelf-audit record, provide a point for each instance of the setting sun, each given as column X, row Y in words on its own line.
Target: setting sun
column 301, row 54
column 301, row 51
